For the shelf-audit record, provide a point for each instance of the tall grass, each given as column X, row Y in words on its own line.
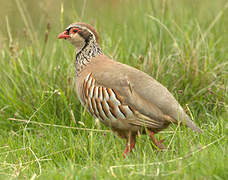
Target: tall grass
column 45, row 133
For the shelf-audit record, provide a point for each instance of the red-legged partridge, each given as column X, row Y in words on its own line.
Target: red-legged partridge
column 123, row 98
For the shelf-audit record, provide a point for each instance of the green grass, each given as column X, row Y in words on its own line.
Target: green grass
column 44, row 131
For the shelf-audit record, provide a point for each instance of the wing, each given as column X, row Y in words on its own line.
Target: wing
column 140, row 91
column 108, row 105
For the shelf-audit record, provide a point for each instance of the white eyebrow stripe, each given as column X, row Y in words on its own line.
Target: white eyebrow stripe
column 72, row 25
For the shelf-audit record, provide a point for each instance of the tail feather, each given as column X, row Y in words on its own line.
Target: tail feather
column 185, row 120
column 189, row 123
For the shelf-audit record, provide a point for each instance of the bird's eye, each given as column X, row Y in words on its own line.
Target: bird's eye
column 75, row 30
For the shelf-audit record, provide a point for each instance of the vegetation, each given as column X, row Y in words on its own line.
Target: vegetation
column 44, row 131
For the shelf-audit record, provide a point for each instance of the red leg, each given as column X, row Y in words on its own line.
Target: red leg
column 155, row 141
column 128, row 149
column 130, row 144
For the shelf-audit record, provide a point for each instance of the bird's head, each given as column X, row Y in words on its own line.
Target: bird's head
column 79, row 34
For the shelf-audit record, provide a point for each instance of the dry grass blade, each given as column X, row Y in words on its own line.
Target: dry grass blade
column 162, row 174
column 37, row 160
column 3, row 147
column 36, row 111
column 62, row 14
column 15, row 150
column 168, row 161
column 55, row 125
column 2, row 173
column 212, row 25
column 83, row 9
column 22, row 12
column 68, row 127
column 166, row 28
column 9, row 31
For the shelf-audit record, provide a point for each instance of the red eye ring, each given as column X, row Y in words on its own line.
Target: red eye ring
column 74, row 30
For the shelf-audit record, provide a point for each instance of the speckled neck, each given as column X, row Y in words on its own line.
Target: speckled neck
column 91, row 49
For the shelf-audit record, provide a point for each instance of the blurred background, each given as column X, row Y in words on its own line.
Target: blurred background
column 31, row 15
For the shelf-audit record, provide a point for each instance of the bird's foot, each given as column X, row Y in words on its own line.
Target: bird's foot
column 155, row 141
column 128, row 149
column 160, row 145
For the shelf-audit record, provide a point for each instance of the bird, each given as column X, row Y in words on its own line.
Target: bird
column 125, row 99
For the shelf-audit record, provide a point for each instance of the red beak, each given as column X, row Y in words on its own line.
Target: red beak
column 64, row 35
